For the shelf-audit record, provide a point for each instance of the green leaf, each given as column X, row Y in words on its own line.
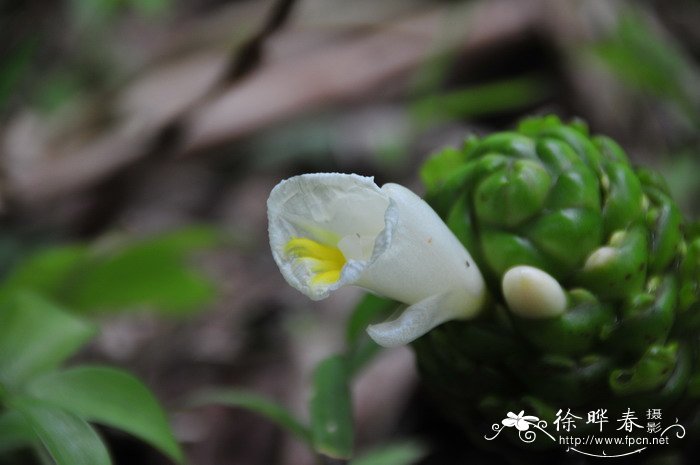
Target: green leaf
column 68, row 439
column 15, row 432
column 93, row 13
column 150, row 273
column 362, row 349
column 369, row 310
column 680, row 171
column 331, row 409
column 402, row 453
column 152, row 8
column 112, row 397
column 36, row 336
column 485, row 99
column 14, row 68
column 258, row 404
column 45, row 272
column 646, row 61
column 58, row 89
column 361, row 354
column 642, row 58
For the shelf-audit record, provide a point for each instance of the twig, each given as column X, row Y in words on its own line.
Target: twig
column 250, row 53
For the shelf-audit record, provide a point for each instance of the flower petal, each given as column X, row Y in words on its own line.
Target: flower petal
column 322, row 211
column 415, row 321
column 426, row 267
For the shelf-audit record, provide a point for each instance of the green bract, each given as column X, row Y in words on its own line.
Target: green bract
column 554, row 197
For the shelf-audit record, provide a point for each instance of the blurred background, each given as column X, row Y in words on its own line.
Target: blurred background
column 146, row 135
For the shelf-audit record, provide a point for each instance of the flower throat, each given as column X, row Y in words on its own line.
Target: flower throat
column 326, row 262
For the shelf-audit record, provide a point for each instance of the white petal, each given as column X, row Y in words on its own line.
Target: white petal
column 415, row 321
column 425, row 258
column 532, row 293
column 426, row 267
column 328, row 208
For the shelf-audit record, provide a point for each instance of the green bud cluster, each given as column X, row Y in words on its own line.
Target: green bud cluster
column 551, row 196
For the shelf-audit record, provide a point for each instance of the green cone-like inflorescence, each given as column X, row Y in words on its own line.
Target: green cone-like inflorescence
column 552, row 196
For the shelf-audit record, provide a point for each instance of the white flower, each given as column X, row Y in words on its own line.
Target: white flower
column 331, row 230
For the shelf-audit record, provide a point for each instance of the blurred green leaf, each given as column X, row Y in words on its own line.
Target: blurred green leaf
column 12, row 250
column 182, row 240
column 681, row 174
column 370, row 309
column 150, row 273
column 91, row 13
column 151, row 7
column 46, row 271
column 362, row 353
column 361, row 349
column 258, row 404
column 638, row 55
column 14, row 67
column 331, row 409
column 481, row 100
column 433, row 73
column 56, row 89
column 68, row 439
column 645, row 60
column 403, row 453
column 36, row 336
column 15, row 432
column 112, row 397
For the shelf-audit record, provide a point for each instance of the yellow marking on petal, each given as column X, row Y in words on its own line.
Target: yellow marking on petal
column 302, row 247
column 326, row 277
column 325, row 262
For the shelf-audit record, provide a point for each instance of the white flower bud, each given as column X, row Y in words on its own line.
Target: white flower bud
column 533, row 293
